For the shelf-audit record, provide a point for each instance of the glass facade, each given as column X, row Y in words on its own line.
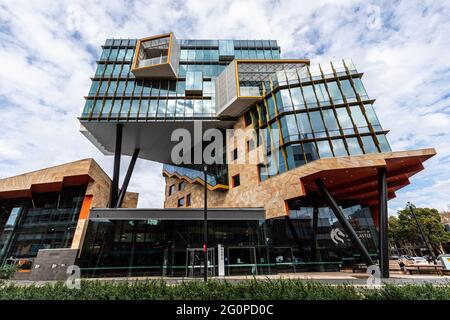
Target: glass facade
column 171, row 247
column 309, row 112
column 45, row 221
column 321, row 111
column 116, row 94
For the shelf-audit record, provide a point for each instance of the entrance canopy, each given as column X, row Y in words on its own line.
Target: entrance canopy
column 178, row 214
column 356, row 177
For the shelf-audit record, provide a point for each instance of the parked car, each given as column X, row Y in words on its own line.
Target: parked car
column 413, row 260
column 419, row 260
column 395, row 257
column 405, row 257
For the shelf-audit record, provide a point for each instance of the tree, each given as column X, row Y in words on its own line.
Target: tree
column 404, row 227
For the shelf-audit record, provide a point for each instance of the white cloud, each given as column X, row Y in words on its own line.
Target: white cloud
column 48, row 49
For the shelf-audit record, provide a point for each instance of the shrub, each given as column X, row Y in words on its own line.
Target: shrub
column 6, row 271
column 221, row 290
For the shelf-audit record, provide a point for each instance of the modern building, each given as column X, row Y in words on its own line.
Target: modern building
column 44, row 215
column 302, row 185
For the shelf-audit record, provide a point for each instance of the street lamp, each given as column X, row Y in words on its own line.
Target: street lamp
column 424, row 238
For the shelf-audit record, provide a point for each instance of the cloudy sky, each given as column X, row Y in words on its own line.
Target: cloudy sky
column 48, row 51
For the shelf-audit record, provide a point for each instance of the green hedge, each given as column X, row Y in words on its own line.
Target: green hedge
column 221, row 290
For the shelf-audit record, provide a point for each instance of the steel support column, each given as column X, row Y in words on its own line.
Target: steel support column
column 293, row 231
column 126, row 181
column 316, row 256
column 383, row 246
column 344, row 223
column 205, row 223
column 116, row 171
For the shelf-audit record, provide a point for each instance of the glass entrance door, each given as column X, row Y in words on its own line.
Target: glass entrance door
column 242, row 260
column 195, row 262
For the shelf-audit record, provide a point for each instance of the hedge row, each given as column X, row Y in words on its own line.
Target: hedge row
column 221, row 290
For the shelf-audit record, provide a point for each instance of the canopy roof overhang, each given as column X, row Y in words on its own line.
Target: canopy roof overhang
column 177, row 214
column 356, row 177
column 51, row 179
column 152, row 138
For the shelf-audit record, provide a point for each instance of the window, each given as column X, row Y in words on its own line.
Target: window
column 353, row 146
column 115, row 107
column 310, row 151
column 345, row 121
column 111, row 88
column 188, row 200
column 289, row 127
column 322, row 94
column 359, row 119
column 235, row 154
column 134, row 108
column 384, row 144
column 295, row 157
column 88, row 107
column 181, row 202
column 348, row 91
column 360, row 89
column 143, row 109
column 286, row 103
column 304, row 126
column 373, row 119
column 297, row 98
column 339, row 148
column 94, row 87
column 103, row 87
column 125, row 108
column 100, row 69
column 271, row 106
column 226, row 50
column 171, row 189
column 335, row 93
column 235, row 181
column 194, row 81
column 317, row 124
column 248, row 118
column 310, row 97
column 181, row 185
column 250, row 145
column 369, row 145
column 331, row 122
column 324, row 149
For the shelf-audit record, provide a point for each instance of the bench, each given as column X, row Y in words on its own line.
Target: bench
column 425, row 269
column 360, row 267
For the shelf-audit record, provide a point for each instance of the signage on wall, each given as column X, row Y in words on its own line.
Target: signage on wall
column 221, row 256
column 338, row 236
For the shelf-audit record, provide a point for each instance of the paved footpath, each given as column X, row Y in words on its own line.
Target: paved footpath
column 333, row 278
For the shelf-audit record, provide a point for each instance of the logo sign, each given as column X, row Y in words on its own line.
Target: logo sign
column 337, row 235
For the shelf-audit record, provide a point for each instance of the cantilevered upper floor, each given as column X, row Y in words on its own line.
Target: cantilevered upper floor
column 323, row 108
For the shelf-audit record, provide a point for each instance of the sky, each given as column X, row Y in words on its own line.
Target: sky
column 48, row 51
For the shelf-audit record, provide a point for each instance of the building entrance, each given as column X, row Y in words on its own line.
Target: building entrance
column 195, row 262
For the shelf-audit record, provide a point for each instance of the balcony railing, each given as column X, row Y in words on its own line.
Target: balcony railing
column 152, row 61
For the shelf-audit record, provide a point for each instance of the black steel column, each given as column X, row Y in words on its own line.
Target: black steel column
column 344, row 223
column 205, row 224
column 293, row 232
column 383, row 240
column 126, row 181
column 116, row 172
column 315, row 223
